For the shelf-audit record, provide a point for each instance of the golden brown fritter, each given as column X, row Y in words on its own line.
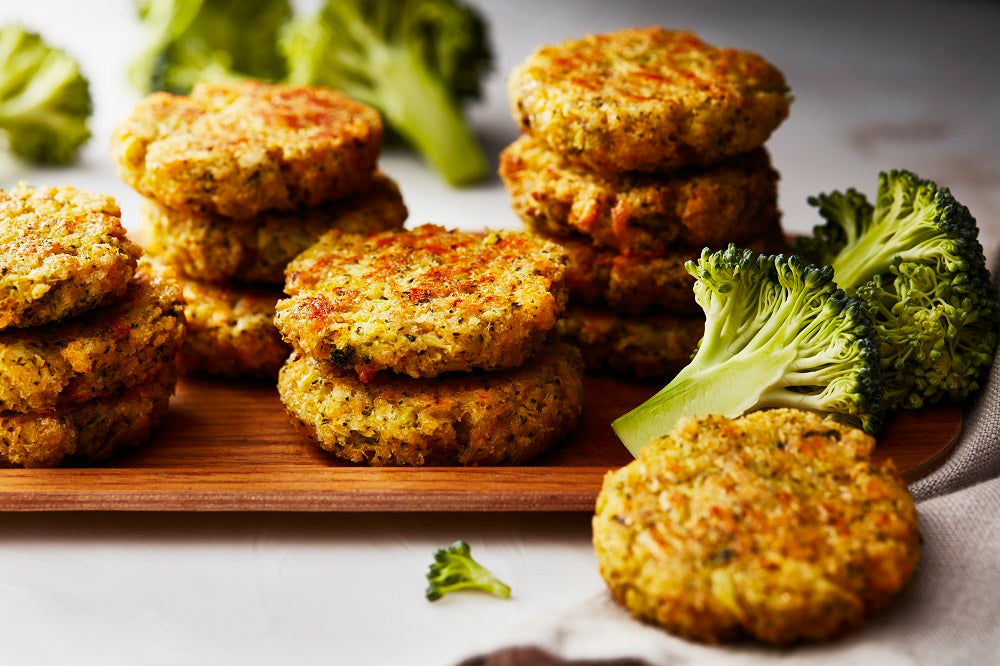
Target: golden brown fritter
column 82, row 433
column 215, row 248
column 729, row 202
column 423, row 302
column 634, row 283
column 647, row 99
column 103, row 351
column 236, row 149
column 476, row 418
column 62, row 252
column 653, row 346
column 776, row 526
column 230, row 330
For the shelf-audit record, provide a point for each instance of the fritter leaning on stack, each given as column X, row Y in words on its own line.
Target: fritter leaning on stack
column 641, row 147
column 429, row 347
column 239, row 178
column 89, row 332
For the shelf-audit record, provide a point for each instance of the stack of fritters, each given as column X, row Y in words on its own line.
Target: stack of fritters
column 89, row 333
column 238, row 179
column 641, row 147
column 429, row 347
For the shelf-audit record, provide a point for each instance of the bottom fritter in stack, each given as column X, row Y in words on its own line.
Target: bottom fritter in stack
column 429, row 347
column 89, row 332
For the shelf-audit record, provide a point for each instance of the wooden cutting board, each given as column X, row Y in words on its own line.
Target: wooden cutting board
column 228, row 446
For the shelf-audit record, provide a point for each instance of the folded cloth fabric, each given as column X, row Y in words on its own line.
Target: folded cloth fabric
column 946, row 615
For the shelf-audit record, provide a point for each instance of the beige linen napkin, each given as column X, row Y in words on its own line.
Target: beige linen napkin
column 948, row 614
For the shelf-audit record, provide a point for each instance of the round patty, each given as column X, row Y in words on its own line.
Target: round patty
column 423, row 302
column 647, row 99
column 635, row 283
column 776, row 525
column 62, row 251
column 641, row 347
column 211, row 247
column 478, row 418
column 236, row 149
column 101, row 352
column 86, row 432
column 230, row 331
column 726, row 203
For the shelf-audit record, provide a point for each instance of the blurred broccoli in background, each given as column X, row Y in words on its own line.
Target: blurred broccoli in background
column 208, row 40
column 44, row 99
column 416, row 61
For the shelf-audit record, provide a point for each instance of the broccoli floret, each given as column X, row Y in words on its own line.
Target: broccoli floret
column 454, row 569
column 778, row 333
column 208, row 40
column 914, row 260
column 416, row 61
column 45, row 100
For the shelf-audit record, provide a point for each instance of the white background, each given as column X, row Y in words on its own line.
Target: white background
column 877, row 85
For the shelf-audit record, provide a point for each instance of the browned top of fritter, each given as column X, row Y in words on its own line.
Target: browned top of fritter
column 62, row 251
column 777, row 525
column 647, row 99
column 239, row 148
column 423, row 302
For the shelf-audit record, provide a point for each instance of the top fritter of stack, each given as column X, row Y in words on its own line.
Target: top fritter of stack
column 647, row 100
column 238, row 149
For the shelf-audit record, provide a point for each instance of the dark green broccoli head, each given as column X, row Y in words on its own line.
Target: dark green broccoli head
column 455, row 569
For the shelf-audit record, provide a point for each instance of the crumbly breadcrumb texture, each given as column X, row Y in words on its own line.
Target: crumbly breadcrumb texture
column 646, row 347
column 230, row 330
column 647, row 99
column 729, row 202
column 476, row 418
column 101, row 352
column 88, row 432
column 214, row 248
column 423, row 302
column 236, row 149
column 775, row 526
column 62, row 251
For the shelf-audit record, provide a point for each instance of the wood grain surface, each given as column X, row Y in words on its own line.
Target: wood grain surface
column 229, row 447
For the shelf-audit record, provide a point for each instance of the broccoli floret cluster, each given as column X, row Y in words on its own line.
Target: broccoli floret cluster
column 778, row 333
column 45, row 100
column 914, row 260
column 455, row 569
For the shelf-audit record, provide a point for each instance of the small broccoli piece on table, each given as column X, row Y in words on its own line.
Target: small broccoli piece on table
column 416, row 61
column 208, row 40
column 915, row 262
column 44, row 99
column 454, row 569
column 778, row 333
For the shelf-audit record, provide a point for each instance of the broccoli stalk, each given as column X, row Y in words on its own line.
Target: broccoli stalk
column 454, row 569
column 778, row 333
column 44, row 99
column 914, row 261
column 413, row 60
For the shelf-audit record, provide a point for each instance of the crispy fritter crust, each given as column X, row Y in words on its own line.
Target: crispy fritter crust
column 647, row 99
column 642, row 347
column 478, row 418
column 777, row 526
column 230, row 331
column 634, row 283
column 236, row 149
column 423, row 302
column 214, row 248
column 101, row 352
column 732, row 201
column 86, row 432
column 62, row 252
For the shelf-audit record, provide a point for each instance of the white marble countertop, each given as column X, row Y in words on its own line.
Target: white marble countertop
column 877, row 85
